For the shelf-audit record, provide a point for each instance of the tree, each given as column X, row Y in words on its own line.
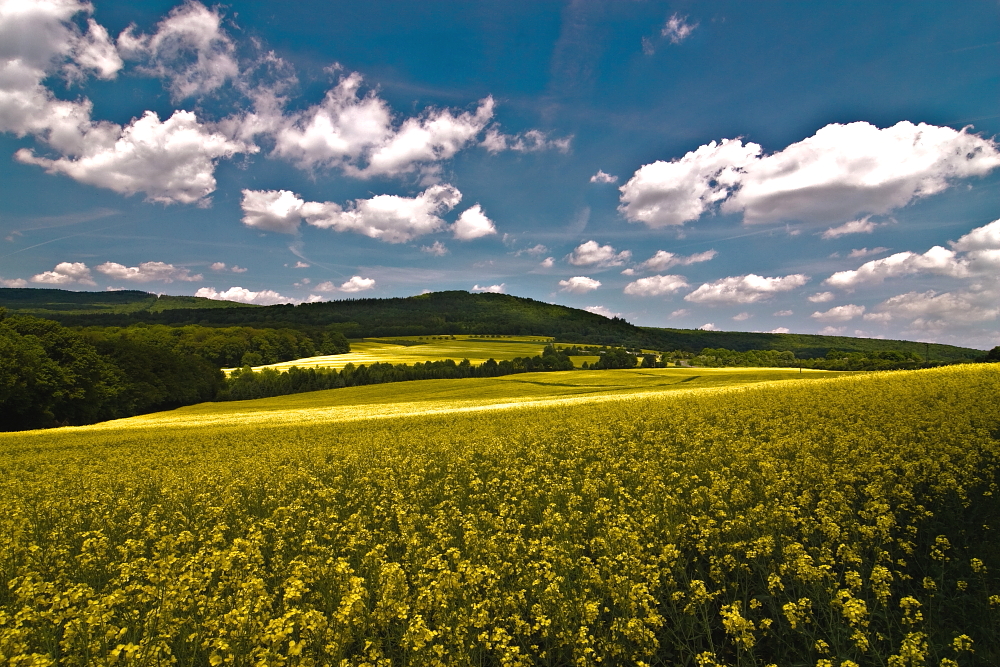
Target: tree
column 994, row 354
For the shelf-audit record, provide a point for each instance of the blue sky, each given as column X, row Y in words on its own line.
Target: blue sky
column 780, row 166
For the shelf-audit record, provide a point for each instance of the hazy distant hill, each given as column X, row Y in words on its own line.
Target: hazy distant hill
column 453, row 312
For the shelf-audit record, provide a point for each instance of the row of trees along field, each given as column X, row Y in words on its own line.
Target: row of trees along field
column 247, row 383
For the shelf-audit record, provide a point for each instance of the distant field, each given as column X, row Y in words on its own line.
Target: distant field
column 689, row 517
column 413, row 349
column 425, row 397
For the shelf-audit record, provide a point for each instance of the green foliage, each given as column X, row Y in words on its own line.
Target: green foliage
column 836, row 360
column 616, row 357
column 993, row 355
column 840, row 522
column 51, row 375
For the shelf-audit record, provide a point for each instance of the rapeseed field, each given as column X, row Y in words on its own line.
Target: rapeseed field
column 837, row 522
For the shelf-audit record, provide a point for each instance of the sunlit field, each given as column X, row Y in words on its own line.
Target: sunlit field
column 414, row 349
column 642, row 517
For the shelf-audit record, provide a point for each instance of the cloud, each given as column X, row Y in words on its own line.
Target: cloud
column 172, row 161
column 677, row 29
column 592, row 254
column 13, row 282
column 750, row 288
column 272, row 210
column 821, row 297
column 547, row 263
column 601, row 177
column 862, row 226
column 742, row 317
column 656, row 285
column 390, row 218
column 601, row 310
column 783, row 313
column 840, row 172
column 238, row 269
column 831, row 331
column 147, row 272
column 326, row 286
column 665, row 194
column 65, row 273
column 680, row 313
column 495, row 289
column 986, row 237
column 189, row 49
column 663, row 260
column 301, row 265
column 579, row 285
column 531, row 141
column 437, row 248
column 262, row 298
column 357, row 134
column 938, row 260
column 857, row 253
column 218, row 266
column 472, row 224
column 708, row 327
column 357, row 284
column 935, row 311
column 839, row 313
column 534, row 251
column 779, row 330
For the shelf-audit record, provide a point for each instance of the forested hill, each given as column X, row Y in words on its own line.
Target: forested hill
column 56, row 303
column 453, row 312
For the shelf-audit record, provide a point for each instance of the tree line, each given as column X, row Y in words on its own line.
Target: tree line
column 246, row 383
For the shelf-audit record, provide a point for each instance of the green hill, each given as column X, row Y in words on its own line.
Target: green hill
column 452, row 312
column 56, row 303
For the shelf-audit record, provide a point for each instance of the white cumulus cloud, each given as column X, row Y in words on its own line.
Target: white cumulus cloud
column 779, row 330
column 13, row 282
column 147, row 272
column 65, row 273
column 171, row 161
column 602, row 311
column 189, row 49
column 840, row 172
column 601, row 177
column 937, row 260
column 601, row 256
column 473, row 224
column 839, row 313
column 708, row 327
column 390, row 218
column 494, row 289
column 665, row 194
column 357, row 284
column 262, row 298
column 750, row 288
column 663, row 260
column 821, row 297
column 656, row 285
column 579, row 284
column 862, row 226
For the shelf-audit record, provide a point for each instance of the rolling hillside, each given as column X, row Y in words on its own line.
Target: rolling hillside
column 452, row 312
